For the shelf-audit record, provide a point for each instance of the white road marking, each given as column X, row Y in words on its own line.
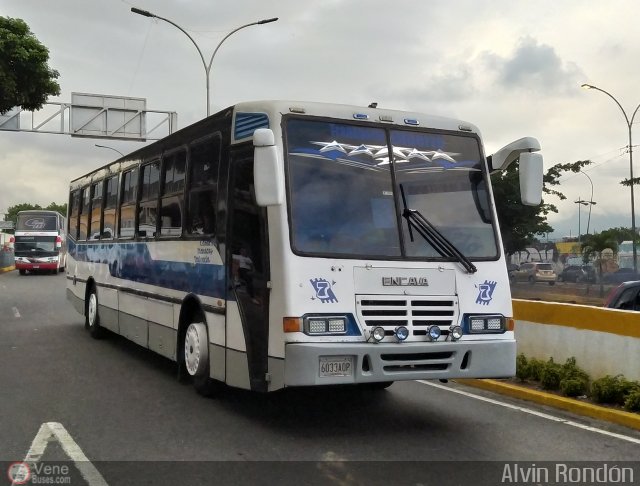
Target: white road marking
column 16, row 312
column 534, row 412
column 50, row 431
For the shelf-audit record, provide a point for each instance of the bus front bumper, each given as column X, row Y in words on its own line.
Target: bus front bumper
column 308, row 364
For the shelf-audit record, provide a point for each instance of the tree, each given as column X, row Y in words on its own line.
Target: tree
column 520, row 224
column 26, row 80
column 595, row 244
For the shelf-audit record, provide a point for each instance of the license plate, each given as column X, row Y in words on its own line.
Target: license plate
column 35, row 266
column 336, row 366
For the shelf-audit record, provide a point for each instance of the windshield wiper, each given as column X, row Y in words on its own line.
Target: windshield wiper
column 416, row 220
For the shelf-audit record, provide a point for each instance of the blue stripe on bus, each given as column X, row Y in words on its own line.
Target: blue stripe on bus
column 133, row 262
column 247, row 123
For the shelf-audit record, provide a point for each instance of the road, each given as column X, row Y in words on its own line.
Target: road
column 124, row 410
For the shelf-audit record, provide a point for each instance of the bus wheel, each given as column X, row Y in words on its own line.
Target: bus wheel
column 92, row 318
column 196, row 359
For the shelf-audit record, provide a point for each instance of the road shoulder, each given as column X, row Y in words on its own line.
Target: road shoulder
column 619, row 417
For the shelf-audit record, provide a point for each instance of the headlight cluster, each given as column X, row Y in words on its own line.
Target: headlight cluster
column 486, row 324
column 332, row 325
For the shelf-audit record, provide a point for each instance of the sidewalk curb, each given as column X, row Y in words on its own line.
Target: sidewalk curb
column 628, row 419
column 7, row 269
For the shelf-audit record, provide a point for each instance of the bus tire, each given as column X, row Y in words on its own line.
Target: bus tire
column 92, row 317
column 196, row 359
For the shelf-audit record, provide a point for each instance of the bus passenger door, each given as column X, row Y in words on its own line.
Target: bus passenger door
column 247, row 260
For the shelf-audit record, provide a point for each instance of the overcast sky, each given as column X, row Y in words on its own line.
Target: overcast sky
column 513, row 68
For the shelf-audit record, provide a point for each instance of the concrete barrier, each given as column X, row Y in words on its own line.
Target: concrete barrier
column 6, row 260
column 603, row 341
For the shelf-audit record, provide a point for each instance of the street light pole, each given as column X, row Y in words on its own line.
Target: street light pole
column 629, row 124
column 207, row 68
column 591, row 202
column 581, row 202
column 110, row 148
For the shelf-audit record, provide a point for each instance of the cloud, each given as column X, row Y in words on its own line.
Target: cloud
column 536, row 67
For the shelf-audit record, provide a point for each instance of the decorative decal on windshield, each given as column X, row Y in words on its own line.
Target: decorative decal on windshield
column 379, row 156
column 485, row 292
column 323, row 290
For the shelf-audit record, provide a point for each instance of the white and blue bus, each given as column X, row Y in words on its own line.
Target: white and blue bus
column 278, row 244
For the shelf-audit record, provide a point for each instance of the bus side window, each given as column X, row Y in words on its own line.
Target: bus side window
column 96, row 211
column 148, row 208
column 172, row 201
column 110, row 203
column 204, row 162
column 84, row 213
column 128, row 204
column 74, row 210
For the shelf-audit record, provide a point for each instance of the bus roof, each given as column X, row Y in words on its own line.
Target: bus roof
column 273, row 109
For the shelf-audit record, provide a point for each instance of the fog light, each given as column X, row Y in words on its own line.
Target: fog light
column 434, row 333
column 455, row 332
column 377, row 333
column 402, row 333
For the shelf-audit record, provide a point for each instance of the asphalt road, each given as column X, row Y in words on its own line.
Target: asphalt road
column 123, row 409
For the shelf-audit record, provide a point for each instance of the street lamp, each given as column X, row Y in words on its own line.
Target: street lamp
column 582, row 202
column 629, row 124
column 591, row 203
column 207, row 68
column 110, row 148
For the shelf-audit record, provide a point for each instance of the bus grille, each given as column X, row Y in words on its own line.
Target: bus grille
column 416, row 313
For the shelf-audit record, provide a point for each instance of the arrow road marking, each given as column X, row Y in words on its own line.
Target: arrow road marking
column 54, row 431
column 16, row 312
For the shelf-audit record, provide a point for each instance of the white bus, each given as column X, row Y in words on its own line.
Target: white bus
column 279, row 244
column 39, row 242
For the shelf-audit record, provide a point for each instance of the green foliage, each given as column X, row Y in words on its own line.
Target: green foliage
column 632, row 401
column 607, row 389
column 26, row 80
column 534, row 369
column 574, row 381
column 12, row 212
column 522, row 367
column 522, row 223
column 573, row 387
column 551, row 375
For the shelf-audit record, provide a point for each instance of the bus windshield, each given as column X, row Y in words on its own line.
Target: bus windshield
column 349, row 186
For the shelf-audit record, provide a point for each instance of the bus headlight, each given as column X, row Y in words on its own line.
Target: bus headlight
column 487, row 324
column 377, row 333
column 321, row 325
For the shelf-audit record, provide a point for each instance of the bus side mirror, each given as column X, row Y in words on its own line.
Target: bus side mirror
column 530, row 168
column 268, row 173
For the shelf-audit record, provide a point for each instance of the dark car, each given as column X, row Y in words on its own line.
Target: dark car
column 577, row 273
column 624, row 296
column 620, row 275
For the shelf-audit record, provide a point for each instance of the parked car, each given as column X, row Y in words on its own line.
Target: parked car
column 533, row 272
column 620, row 275
column 512, row 267
column 577, row 273
column 625, row 296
